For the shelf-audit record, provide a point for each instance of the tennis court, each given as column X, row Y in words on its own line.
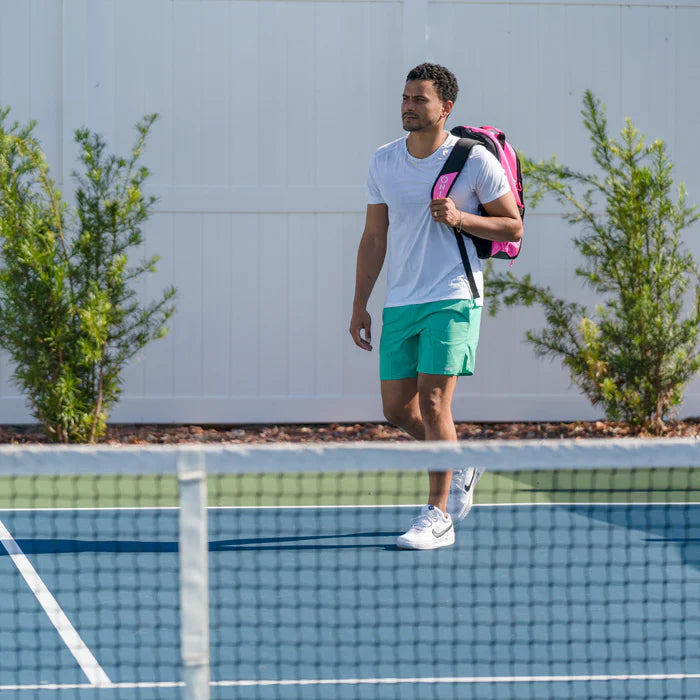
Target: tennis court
column 562, row 584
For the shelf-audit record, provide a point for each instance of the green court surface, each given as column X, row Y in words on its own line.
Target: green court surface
column 669, row 485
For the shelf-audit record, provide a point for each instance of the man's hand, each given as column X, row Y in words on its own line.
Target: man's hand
column 444, row 211
column 361, row 321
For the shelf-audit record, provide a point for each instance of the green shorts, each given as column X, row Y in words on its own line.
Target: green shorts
column 439, row 337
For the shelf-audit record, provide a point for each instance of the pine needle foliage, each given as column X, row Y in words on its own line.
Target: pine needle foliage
column 636, row 351
column 70, row 317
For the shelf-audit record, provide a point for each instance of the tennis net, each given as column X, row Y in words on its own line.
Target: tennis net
column 272, row 572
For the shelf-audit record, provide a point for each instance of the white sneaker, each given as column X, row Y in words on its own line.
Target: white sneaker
column 430, row 530
column 462, row 488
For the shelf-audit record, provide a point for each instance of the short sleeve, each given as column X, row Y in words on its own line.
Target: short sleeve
column 374, row 195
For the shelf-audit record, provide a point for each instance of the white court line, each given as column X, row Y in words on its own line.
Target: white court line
column 51, row 509
column 379, row 681
column 88, row 663
column 598, row 504
column 85, row 686
column 465, row 680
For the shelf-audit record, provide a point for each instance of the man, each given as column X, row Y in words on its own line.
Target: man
column 430, row 320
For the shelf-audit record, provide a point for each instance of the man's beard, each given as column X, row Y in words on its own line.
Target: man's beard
column 417, row 124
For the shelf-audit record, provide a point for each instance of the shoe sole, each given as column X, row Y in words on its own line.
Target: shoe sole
column 437, row 544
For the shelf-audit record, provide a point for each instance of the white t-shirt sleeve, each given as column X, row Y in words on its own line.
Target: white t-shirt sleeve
column 490, row 181
column 374, row 195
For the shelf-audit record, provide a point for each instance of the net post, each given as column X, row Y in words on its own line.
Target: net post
column 194, row 574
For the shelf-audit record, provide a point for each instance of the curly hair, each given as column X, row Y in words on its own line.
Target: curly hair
column 443, row 79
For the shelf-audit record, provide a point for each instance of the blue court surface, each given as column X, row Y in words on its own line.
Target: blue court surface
column 533, row 601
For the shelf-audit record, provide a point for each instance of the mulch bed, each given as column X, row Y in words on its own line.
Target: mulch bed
column 144, row 434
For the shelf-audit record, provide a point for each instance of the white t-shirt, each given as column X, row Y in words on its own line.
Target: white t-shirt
column 423, row 260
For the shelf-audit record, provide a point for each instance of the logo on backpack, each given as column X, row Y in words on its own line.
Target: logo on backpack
column 444, row 185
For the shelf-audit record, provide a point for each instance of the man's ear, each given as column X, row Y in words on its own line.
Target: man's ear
column 447, row 108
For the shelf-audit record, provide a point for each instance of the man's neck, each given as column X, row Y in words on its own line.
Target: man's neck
column 423, row 143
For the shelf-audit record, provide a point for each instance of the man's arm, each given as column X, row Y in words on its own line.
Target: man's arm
column 503, row 222
column 370, row 258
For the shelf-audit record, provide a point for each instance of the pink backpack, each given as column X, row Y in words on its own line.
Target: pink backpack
column 494, row 140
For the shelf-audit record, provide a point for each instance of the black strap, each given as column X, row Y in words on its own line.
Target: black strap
column 453, row 165
column 467, row 266
column 456, row 160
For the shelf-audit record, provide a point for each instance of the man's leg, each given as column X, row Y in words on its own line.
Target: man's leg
column 422, row 406
column 401, row 406
column 435, row 394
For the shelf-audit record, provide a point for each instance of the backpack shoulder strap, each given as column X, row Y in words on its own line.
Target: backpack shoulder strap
column 452, row 168
column 441, row 189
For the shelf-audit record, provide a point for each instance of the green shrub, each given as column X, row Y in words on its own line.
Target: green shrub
column 635, row 353
column 69, row 314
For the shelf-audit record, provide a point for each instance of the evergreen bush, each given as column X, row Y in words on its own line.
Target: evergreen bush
column 636, row 351
column 70, row 317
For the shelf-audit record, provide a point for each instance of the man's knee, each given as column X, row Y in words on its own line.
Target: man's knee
column 396, row 413
column 399, row 402
column 434, row 406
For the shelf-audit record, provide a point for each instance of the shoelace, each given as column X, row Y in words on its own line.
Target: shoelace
column 424, row 520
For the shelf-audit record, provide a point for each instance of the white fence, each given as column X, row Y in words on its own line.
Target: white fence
column 269, row 114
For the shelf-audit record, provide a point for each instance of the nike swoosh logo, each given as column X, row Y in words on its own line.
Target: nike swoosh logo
column 445, row 531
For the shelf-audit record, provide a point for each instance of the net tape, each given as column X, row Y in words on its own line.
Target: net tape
column 500, row 455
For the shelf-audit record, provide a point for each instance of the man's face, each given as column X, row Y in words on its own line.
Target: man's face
column 421, row 106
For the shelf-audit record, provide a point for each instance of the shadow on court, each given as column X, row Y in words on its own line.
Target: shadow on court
column 658, row 502
column 674, row 525
column 247, row 544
